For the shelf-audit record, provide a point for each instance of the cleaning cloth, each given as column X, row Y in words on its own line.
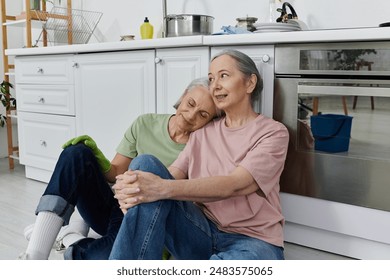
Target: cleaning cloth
column 227, row 30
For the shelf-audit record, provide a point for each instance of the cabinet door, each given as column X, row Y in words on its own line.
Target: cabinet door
column 176, row 68
column 264, row 58
column 112, row 89
column 41, row 137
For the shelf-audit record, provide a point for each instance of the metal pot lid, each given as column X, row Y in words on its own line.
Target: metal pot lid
column 187, row 16
column 253, row 19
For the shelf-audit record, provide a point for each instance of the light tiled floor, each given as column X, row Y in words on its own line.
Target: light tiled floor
column 19, row 197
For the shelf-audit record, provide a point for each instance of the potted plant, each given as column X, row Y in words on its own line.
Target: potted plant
column 6, row 100
column 36, row 4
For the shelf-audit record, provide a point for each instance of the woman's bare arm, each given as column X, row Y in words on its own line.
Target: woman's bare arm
column 137, row 187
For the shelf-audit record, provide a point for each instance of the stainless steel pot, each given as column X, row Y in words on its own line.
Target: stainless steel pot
column 188, row 24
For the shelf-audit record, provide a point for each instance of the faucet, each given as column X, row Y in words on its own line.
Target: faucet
column 164, row 26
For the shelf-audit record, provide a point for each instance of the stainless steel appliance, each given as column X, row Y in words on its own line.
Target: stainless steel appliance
column 337, row 78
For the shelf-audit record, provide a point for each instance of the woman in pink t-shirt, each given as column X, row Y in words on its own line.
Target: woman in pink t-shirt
column 224, row 202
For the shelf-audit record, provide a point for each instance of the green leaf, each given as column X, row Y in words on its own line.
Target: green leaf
column 3, row 120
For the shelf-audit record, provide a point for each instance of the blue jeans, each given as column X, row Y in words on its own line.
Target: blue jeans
column 182, row 228
column 78, row 181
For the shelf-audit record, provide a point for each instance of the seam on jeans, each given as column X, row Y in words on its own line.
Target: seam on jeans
column 194, row 222
column 149, row 232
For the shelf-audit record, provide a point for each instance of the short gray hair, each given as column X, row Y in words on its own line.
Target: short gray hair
column 200, row 82
column 247, row 67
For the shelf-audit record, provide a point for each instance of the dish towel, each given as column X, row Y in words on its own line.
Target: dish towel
column 227, row 30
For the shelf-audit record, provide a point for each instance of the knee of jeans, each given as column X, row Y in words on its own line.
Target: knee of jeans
column 143, row 162
column 78, row 149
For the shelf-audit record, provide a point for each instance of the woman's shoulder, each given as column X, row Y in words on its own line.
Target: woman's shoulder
column 152, row 118
column 208, row 129
column 267, row 125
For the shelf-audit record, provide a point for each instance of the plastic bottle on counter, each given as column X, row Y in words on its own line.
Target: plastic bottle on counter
column 146, row 29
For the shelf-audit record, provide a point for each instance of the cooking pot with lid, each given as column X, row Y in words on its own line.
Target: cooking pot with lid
column 187, row 25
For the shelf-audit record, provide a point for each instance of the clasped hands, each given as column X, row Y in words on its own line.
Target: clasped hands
column 135, row 187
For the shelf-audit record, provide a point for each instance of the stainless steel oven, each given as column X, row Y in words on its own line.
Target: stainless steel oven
column 339, row 79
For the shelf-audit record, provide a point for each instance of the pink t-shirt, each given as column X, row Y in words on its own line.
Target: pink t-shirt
column 260, row 147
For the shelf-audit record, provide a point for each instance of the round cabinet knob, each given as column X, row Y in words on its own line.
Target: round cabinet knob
column 75, row 65
column 266, row 58
column 40, row 70
column 157, row 60
column 41, row 100
column 43, row 143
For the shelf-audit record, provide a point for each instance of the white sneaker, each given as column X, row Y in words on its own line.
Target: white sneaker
column 23, row 256
column 70, row 234
column 28, row 231
column 78, row 227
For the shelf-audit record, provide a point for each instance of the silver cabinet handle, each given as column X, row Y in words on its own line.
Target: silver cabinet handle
column 41, row 100
column 43, row 143
column 75, row 65
column 157, row 60
column 40, row 70
column 266, row 58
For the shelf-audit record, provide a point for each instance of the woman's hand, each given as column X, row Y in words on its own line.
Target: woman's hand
column 135, row 187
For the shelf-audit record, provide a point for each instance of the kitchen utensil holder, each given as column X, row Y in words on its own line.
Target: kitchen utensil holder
column 65, row 26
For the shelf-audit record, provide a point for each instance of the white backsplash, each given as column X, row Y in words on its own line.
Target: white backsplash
column 125, row 16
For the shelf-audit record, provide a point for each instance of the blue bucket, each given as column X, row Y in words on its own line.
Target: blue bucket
column 331, row 132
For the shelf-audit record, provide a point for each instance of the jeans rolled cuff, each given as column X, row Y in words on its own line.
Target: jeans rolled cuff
column 57, row 205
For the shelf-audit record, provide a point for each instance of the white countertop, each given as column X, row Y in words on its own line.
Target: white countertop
column 310, row 36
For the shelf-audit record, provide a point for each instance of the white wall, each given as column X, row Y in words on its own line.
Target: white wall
column 122, row 17
column 125, row 16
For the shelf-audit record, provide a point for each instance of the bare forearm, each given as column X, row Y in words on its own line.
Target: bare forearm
column 198, row 190
column 207, row 189
column 135, row 187
column 111, row 174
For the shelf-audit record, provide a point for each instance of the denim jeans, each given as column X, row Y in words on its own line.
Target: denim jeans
column 182, row 228
column 78, row 181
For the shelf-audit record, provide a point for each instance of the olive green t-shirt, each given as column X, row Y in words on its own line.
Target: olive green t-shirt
column 148, row 134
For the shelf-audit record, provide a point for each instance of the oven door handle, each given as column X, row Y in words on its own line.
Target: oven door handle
column 371, row 90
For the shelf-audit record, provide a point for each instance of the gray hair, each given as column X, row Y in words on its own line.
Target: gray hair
column 200, row 82
column 247, row 67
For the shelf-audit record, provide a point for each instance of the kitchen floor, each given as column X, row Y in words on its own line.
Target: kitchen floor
column 19, row 197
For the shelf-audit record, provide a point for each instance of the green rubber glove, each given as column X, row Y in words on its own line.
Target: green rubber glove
column 104, row 163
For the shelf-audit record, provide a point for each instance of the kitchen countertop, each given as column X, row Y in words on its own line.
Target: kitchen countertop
column 309, row 36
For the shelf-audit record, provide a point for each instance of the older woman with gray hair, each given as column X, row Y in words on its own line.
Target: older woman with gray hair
column 224, row 200
column 82, row 175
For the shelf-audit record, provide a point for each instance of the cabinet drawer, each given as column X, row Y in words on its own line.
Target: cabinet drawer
column 41, row 138
column 58, row 99
column 48, row 70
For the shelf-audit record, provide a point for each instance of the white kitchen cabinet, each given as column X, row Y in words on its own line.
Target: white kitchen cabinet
column 63, row 96
column 175, row 69
column 46, row 111
column 112, row 89
column 41, row 137
column 263, row 56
